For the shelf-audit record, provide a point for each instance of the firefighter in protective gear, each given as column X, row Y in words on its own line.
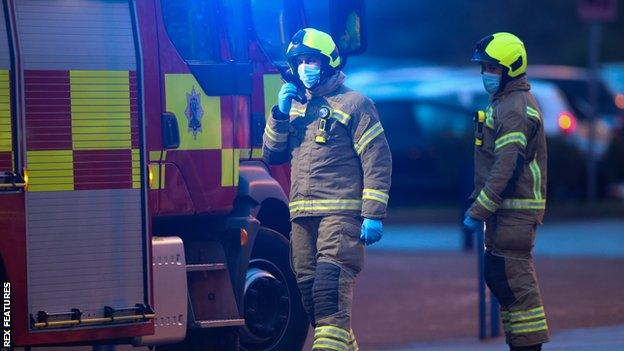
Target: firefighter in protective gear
column 340, row 179
column 510, row 188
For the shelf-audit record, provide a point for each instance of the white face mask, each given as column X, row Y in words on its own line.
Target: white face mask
column 310, row 74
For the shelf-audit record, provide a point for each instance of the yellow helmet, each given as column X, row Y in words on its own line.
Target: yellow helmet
column 313, row 41
column 504, row 49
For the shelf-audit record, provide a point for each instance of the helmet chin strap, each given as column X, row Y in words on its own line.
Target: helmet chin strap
column 505, row 79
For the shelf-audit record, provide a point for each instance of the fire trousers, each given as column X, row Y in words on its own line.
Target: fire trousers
column 326, row 256
column 510, row 275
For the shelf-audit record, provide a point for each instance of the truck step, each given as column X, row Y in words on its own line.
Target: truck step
column 219, row 323
column 205, row 267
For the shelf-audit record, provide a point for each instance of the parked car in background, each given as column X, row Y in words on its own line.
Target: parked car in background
column 427, row 114
column 609, row 146
column 574, row 84
column 613, row 75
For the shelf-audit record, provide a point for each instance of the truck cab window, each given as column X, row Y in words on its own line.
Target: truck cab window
column 275, row 22
column 237, row 29
column 341, row 18
column 317, row 14
column 192, row 29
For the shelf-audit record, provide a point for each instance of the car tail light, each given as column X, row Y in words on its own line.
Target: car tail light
column 619, row 101
column 567, row 122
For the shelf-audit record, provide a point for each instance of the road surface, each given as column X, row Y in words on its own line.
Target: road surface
column 418, row 291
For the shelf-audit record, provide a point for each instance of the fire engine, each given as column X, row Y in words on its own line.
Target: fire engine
column 134, row 204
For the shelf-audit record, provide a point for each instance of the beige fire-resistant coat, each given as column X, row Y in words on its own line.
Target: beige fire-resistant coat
column 510, row 166
column 340, row 159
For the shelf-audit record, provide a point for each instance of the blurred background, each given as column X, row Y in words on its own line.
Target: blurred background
column 417, row 70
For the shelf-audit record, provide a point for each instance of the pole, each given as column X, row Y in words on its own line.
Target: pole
column 494, row 316
column 481, row 269
column 592, row 93
column 494, row 306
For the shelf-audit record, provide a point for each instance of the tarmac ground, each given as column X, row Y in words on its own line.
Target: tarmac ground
column 418, row 290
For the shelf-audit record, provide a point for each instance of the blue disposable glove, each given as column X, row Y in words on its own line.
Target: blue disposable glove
column 284, row 99
column 472, row 224
column 372, row 231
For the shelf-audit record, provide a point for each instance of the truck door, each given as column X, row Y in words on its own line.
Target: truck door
column 274, row 24
column 205, row 87
column 86, row 238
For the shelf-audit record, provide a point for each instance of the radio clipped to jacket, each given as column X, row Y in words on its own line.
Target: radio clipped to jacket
column 321, row 133
column 479, row 119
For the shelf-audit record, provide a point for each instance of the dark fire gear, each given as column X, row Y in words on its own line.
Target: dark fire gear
column 510, row 189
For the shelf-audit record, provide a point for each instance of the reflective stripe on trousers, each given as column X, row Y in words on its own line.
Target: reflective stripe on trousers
column 328, row 337
column 529, row 321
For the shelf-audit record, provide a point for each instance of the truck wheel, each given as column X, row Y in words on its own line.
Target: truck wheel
column 274, row 316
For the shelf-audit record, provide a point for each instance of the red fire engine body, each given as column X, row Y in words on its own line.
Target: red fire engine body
column 134, row 205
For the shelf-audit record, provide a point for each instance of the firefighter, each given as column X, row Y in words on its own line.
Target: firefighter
column 510, row 188
column 340, row 178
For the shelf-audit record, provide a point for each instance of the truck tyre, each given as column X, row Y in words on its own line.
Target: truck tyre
column 274, row 316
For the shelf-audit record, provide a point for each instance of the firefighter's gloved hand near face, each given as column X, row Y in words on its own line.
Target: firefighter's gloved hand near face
column 510, row 188
column 340, row 179
column 285, row 97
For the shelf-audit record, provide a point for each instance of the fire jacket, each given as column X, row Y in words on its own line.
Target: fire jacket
column 510, row 164
column 340, row 159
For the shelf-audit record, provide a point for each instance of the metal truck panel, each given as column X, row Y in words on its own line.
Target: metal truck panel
column 5, row 54
column 6, row 128
column 86, row 266
column 85, row 206
column 170, row 292
column 81, row 34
